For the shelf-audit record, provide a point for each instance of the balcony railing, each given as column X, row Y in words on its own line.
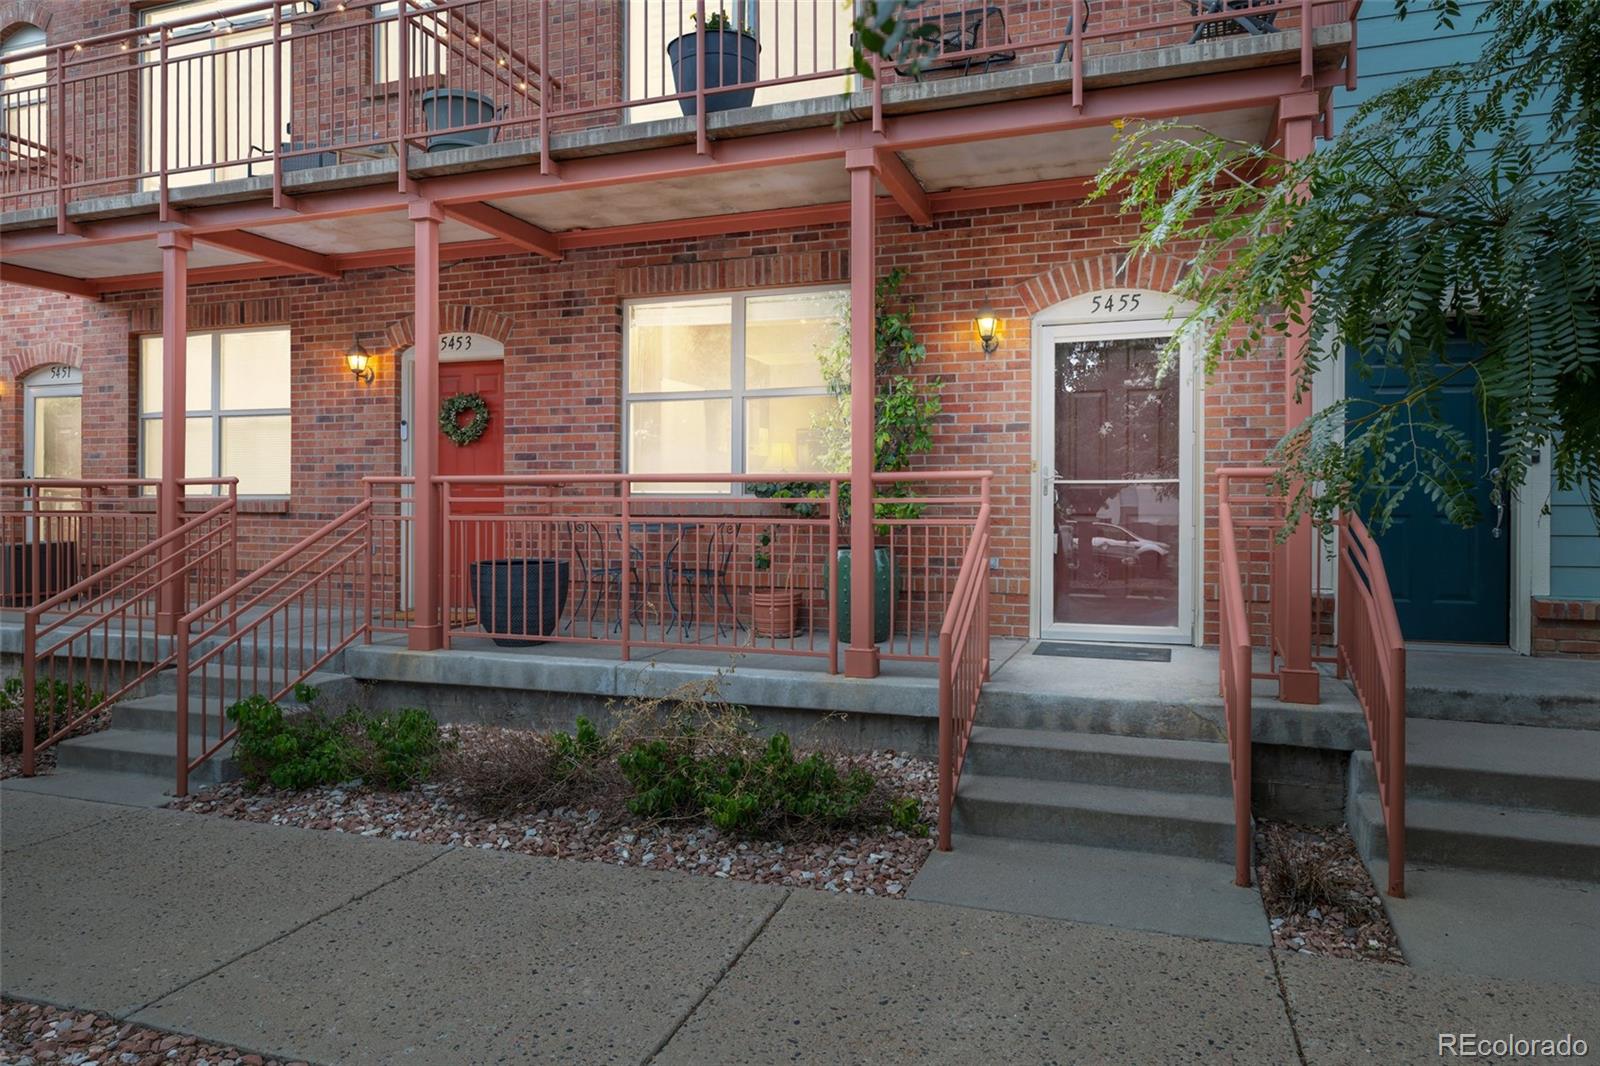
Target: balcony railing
column 279, row 86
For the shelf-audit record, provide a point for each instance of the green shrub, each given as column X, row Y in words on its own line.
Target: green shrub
column 750, row 788
column 391, row 749
column 289, row 752
column 400, row 748
column 55, row 704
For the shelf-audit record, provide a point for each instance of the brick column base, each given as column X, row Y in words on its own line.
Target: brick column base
column 1566, row 627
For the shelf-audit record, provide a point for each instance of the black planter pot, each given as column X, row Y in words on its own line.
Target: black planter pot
column 53, row 563
column 731, row 59
column 519, row 596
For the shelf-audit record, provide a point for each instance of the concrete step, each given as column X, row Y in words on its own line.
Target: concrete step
column 1008, row 706
column 1100, row 759
column 1519, row 767
column 1483, row 837
column 1068, row 812
column 142, row 751
column 333, row 687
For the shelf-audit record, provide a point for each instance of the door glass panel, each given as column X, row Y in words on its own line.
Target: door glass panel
column 1118, row 499
column 58, row 436
column 1116, row 554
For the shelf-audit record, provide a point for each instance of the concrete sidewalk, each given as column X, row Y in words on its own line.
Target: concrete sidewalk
column 338, row 949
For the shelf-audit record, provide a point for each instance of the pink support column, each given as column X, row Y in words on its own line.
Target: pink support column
column 861, row 657
column 1298, row 680
column 427, row 631
column 174, row 245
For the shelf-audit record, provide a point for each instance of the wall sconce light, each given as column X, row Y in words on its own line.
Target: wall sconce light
column 987, row 328
column 359, row 360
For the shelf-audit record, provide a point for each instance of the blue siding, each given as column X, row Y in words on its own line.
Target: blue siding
column 1392, row 50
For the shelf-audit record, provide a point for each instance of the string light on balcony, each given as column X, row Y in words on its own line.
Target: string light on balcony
column 501, row 61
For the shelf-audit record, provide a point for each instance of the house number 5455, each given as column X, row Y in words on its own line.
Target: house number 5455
column 1115, row 304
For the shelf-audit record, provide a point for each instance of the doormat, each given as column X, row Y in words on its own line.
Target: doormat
column 1103, row 651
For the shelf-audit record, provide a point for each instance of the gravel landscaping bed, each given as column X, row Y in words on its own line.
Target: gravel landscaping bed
column 877, row 863
column 1319, row 897
column 30, row 1033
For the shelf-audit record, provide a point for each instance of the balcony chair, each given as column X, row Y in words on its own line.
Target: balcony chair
column 1236, row 22
column 962, row 31
column 607, row 570
column 706, row 577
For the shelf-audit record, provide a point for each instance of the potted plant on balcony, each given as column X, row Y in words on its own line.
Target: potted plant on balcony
column 774, row 606
column 732, row 54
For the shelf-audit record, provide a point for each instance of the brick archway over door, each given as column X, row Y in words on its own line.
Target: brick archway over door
column 34, row 356
column 1157, row 273
column 453, row 318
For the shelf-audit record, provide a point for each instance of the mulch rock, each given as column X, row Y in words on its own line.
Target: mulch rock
column 879, row 862
column 32, row 1034
column 1345, row 918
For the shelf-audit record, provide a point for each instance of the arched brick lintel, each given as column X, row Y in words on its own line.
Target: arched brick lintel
column 453, row 318
column 16, row 13
column 1156, row 273
column 33, row 356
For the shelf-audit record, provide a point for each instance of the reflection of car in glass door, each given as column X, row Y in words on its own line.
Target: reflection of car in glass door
column 1116, row 549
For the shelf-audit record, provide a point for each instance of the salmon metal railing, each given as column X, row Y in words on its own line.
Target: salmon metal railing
column 963, row 661
column 1234, row 648
column 265, row 89
column 272, row 629
column 101, row 638
column 1373, row 655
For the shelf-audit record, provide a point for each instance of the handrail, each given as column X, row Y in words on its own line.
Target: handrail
column 1372, row 652
column 140, row 579
column 963, row 661
column 1234, row 668
column 471, row 45
column 324, row 588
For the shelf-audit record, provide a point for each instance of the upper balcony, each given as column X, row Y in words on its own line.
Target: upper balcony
column 292, row 105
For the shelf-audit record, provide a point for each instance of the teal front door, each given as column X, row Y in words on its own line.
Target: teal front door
column 1449, row 583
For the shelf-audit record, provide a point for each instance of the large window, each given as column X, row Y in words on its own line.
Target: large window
column 729, row 384
column 219, row 77
column 237, row 422
column 22, row 95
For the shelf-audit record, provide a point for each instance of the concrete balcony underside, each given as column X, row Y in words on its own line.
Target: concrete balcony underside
column 1018, row 130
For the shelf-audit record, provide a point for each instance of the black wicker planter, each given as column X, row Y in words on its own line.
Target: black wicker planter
column 519, row 596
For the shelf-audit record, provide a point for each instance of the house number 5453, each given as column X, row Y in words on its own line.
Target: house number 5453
column 1117, row 303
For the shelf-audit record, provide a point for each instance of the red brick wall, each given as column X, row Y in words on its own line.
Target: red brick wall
column 1566, row 627
column 562, row 325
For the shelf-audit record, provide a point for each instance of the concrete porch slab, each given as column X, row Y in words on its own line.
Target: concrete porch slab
column 1348, row 1011
column 1498, row 685
column 28, row 817
column 96, row 786
column 851, row 981
column 1122, row 889
column 540, row 960
column 1499, row 925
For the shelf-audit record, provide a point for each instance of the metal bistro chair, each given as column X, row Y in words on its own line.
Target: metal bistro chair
column 1236, row 20
column 704, row 578
column 607, row 571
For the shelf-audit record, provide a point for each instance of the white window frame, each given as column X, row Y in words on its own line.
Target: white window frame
column 215, row 411
column 736, row 393
column 386, row 45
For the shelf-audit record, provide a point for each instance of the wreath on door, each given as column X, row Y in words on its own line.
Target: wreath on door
column 450, row 413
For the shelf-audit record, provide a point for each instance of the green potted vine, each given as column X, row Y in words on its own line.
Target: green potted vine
column 906, row 406
column 732, row 58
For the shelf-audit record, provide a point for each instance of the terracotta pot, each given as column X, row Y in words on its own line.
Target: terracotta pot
column 774, row 612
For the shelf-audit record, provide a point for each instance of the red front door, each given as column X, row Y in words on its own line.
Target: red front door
column 470, row 538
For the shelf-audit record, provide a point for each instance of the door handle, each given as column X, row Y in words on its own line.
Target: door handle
column 1498, row 498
